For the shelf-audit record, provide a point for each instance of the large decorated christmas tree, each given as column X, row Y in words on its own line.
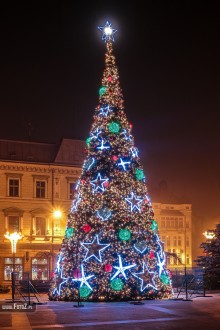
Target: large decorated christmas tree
column 111, row 249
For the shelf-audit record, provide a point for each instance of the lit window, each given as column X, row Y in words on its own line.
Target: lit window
column 40, row 226
column 13, row 223
column 40, row 269
column 8, row 268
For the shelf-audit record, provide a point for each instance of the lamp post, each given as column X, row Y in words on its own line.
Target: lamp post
column 14, row 237
column 57, row 214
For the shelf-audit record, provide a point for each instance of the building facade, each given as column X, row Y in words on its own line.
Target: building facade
column 36, row 192
column 37, row 181
column 175, row 231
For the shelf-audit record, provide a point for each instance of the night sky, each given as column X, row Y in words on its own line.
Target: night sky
column 167, row 53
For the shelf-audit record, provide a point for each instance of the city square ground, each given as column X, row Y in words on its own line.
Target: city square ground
column 200, row 312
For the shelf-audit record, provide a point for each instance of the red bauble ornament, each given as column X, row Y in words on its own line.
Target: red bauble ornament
column 105, row 184
column 109, row 78
column 115, row 158
column 152, row 255
column 108, row 268
column 86, row 228
column 77, row 273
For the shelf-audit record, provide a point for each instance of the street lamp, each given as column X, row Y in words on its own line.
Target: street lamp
column 14, row 237
column 209, row 234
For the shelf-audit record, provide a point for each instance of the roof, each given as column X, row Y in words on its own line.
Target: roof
column 69, row 152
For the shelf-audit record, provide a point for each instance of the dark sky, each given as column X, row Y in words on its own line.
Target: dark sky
column 167, row 53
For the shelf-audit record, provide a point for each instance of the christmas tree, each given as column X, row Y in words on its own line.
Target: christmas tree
column 210, row 260
column 111, row 249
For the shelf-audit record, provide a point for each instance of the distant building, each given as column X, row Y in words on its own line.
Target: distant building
column 175, row 231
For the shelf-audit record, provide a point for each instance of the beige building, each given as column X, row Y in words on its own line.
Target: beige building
column 38, row 179
column 175, row 231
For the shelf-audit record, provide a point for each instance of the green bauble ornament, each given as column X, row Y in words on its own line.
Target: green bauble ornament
column 84, row 291
column 102, row 90
column 117, row 284
column 88, row 140
column 124, row 234
column 165, row 279
column 69, row 232
column 114, row 127
column 154, row 225
column 139, row 174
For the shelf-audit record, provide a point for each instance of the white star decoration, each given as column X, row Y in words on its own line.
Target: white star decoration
column 98, row 183
column 147, row 278
column 84, row 278
column 134, row 202
column 107, row 32
column 94, row 249
column 160, row 263
column 121, row 269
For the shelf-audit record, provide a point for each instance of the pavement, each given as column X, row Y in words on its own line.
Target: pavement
column 198, row 312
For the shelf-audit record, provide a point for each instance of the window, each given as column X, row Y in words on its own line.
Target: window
column 174, row 240
column 39, row 269
column 13, row 223
column 40, row 189
column 40, row 226
column 168, row 241
column 179, row 241
column 13, row 187
column 8, row 267
column 71, row 190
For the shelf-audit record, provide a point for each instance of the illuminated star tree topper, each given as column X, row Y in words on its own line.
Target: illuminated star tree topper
column 107, row 32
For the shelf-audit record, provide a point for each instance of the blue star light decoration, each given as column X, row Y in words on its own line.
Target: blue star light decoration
column 146, row 277
column 65, row 280
column 104, row 213
column 121, row 269
column 95, row 135
column 134, row 202
column 161, row 263
column 103, row 145
column 107, row 32
column 134, row 152
column 105, row 110
column 98, row 183
column 75, row 203
column 84, row 279
column 123, row 163
column 127, row 136
column 94, row 249
column 58, row 264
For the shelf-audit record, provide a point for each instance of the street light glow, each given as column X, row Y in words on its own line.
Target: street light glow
column 209, row 234
column 57, row 214
column 14, row 237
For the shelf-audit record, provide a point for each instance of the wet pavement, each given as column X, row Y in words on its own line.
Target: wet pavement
column 198, row 313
